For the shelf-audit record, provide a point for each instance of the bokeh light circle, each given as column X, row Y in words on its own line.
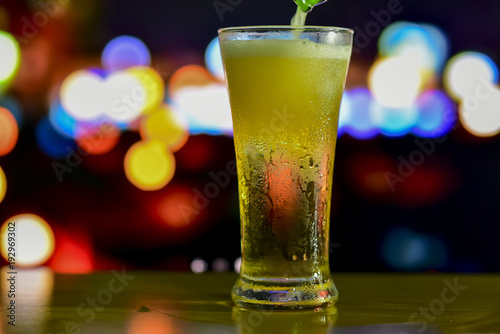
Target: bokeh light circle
column 393, row 121
column 98, row 139
column 439, row 43
column 207, row 108
column 9, row 131
column 220, row 265
column 424, row 45
column 166, row 126
column 360, row 125
column 10, row 58
column 51, row 142
column 189, row 76
column 468, row 74
column 199, row 265
column 153, row 86
column 34, row 240
column 121, row 97
column 345, row 111
column 3, row 185
column 149, row 165
column 482, row 117
column 437, row 114
column 61, row 121
column 12, row 104
column 82, row 95
column 395, row 82
column 237, row 265
column 176, row 208
column 406, row 250
column 125, row 97
column 124, row 52
column 213, row 59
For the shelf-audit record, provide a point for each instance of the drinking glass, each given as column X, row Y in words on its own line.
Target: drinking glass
column 285, row 86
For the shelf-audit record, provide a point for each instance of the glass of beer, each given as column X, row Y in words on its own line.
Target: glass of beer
column 285, row 86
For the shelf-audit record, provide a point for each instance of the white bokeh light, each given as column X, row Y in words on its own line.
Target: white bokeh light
column 481, row 117
column 199, row 265
column 467, row 72
column 82, row 95
column 220, row 265
column 125, row 97
column 237, row 265
column 9, row 56
column 34, row 240
column 121, row 97
column 395, row 82
column 207, row 108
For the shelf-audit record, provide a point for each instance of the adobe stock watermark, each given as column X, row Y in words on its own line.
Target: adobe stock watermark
column 373, row 28
column 425, row 315
column 223, row 6
column 221, row 179
column 31, row 25
column 427, row 147
column 88, row 309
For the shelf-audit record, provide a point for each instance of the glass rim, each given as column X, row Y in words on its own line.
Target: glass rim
column 246, row 29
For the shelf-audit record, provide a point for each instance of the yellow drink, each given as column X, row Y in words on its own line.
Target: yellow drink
column 285, row 96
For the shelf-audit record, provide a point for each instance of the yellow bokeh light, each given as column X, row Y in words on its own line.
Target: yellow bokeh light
column 33, row 241
column 153, row 85
column 166, row 126
column 395, row 81
column 3, row 185
column 149, row 165
column 10, row 57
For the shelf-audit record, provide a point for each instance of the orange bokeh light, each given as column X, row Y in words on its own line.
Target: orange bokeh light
column 152, row 323
column 99, row 140
column 3, row 185
column 176, row 209
column 9, row 131
column 190, row 75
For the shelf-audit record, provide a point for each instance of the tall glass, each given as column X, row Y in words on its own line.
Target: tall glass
column 285, row 86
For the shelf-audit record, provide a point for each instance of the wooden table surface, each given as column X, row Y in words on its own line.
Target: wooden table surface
column 165, row 302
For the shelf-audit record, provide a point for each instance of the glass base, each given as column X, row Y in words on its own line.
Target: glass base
column 284, row 293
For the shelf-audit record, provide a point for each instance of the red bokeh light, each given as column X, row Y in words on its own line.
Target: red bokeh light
column 73, row 255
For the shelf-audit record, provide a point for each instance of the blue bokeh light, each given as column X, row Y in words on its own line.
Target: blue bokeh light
column 360, row 125
column 425, row 43
column 345, row 112
column 393, row 122
column 406, row 250
column 437, row 114
column 439, row 42
column 51, row 142
column 124, row 52
column 61, row 121
column 213, row 59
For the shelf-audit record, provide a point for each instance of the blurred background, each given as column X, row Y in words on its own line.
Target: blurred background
column 116, row 137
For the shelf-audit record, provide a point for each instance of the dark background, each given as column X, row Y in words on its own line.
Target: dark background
column 444, row 217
